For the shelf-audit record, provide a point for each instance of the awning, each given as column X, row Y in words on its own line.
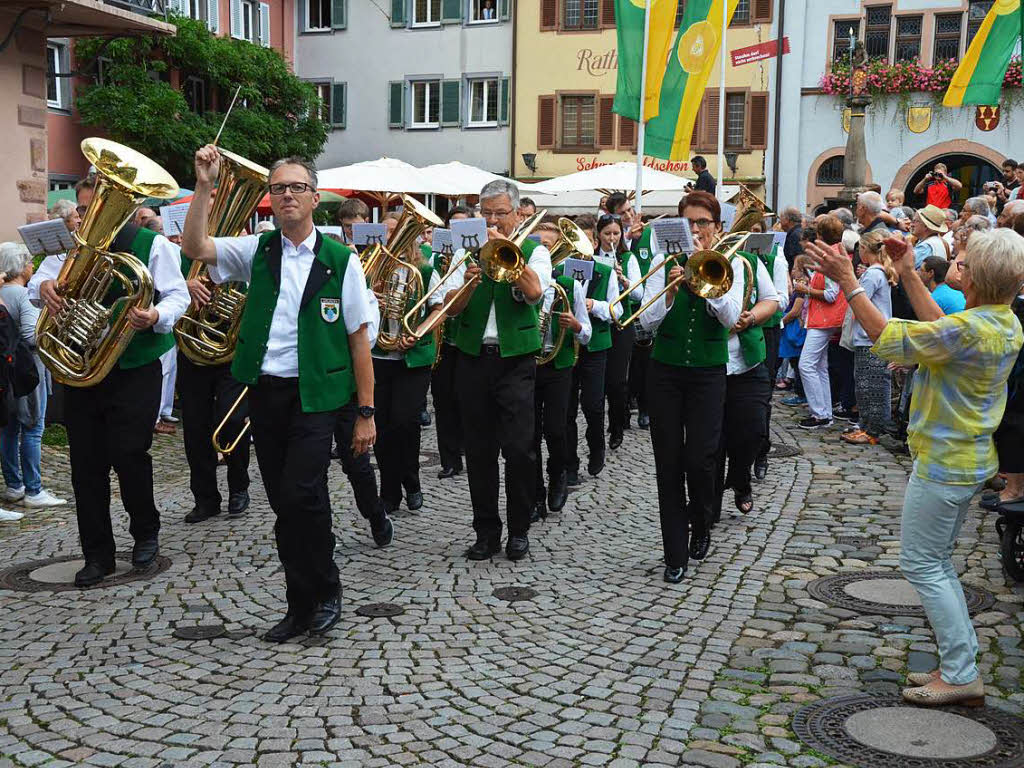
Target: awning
column 79, row 18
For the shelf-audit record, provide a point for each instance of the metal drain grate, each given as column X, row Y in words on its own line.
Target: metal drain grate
column 200, row 632
column 514, row 594
column 780, row 451
column 18, row 577
column 380, row 610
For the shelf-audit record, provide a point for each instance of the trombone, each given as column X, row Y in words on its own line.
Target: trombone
column 500, row 259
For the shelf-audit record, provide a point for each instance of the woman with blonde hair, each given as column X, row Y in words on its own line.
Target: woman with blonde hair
column 871, row 374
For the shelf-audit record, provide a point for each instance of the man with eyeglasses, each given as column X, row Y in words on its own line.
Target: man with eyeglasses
column 110, row 425
column 497, row 334
column 304, row 351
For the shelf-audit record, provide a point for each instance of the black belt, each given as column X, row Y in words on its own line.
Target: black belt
column 490, row 349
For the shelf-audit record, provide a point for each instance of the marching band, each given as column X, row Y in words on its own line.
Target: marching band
column 306, row 340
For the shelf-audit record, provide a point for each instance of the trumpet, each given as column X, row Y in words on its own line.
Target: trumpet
column 550, row 351
column 500, row 259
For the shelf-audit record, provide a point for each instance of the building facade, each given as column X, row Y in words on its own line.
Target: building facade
column 424, row 81
column 261, row 22
column 905, row 134
column 565, row 76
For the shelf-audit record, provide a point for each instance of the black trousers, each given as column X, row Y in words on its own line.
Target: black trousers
column 742, row 432
column 205, row 393
column 638, row 364
column 398, row 394
column 686, row 427
column 616, row 378
column 110, row 425
column 446, row 409
column 587, row 390
column 293, row 449
column 496, row 397
column 772, row 337
column 357, row 469
column 840, row 372
column 551, row 404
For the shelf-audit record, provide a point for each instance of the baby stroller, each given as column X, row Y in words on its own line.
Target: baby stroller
column 1010, row 527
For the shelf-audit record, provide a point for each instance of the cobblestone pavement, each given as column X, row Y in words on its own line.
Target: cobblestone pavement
column 607, row 665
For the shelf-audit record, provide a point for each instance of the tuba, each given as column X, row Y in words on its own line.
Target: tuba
column 207, row 335
column 397, row 282
column 83, row 341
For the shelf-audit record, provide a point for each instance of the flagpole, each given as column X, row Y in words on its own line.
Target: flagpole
column 639, row 193
column 721, row 101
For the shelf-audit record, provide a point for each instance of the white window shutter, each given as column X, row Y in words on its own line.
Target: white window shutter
column 265, row 25
column 236, row 18
column 213, row 15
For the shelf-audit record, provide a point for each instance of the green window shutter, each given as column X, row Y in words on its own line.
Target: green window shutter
column 503, row 97
column 339, row 14
column 339, row 104
column 396, row 104
column 504, row 12
column 451, row 102
column 451, row 11
column 398, row 13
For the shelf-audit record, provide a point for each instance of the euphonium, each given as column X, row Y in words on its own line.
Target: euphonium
column 208, row 335
column 573, row 243
column 397, row 282
column 550, row 350
column 83, row 341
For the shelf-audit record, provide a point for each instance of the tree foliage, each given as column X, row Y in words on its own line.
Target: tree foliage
column 277, row 114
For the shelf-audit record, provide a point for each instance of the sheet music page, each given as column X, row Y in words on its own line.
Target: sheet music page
column 469, row 234
column 47, row 237
column 369, row 234
column 579, row 270
column 173, row 218
column 671, row 236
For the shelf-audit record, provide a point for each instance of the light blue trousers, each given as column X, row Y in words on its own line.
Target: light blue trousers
column 932, row 516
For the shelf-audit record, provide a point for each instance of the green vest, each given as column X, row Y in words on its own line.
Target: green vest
column 642, row 249
column 427, row 253
column 145, row 346
column 775, row 321
column 518, row 333
column 752, row 339
column 601, row 334
column 424, row 351
column 690, row 337
column 566, row 357
column 326, row 378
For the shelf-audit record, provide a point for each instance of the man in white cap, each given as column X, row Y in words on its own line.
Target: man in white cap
column 929, row 226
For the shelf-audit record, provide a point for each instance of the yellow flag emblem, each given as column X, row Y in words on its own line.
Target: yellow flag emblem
column 696, row 44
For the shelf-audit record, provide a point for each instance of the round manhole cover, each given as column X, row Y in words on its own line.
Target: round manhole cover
column 380, row 610
column 200, row 632
column 875, row 731
column 57, row 574
column 514, row 594
column 780, row 451
column 883, row 592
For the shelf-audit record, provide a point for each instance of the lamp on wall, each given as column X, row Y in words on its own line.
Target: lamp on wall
column 731, row 158
column 530, row 160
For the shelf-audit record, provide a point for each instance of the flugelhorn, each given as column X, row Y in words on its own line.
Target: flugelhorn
column 83, row 341
column 550, row 351
column 208, row 335
column 500, row 259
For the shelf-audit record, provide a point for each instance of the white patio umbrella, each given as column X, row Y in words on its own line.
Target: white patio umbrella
column 382, row 178
column 466, row 179
column 612, row 178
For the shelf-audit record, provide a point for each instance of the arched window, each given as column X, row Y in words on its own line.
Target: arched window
column 830, row 173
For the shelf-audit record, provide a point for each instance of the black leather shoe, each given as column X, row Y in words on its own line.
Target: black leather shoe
column 674, row 575
column 760, row 468
column 558, row 492
column 517, row 547
column 238, row 502
column 482, row 548
column 572, row 478
column 539, row 512
column 389, row 508
column 93, row 573
column 414, row 500
column 594, row 465
column 447, row 472
column 145, row 552
column 290, row 626
column 699, row 544
column 325, row 615
column 615, row 440
column 201, row 512
column 643, row 420
column 424, row 418
column 383, row 531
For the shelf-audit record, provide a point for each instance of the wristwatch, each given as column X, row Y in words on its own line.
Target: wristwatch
column 366, row 411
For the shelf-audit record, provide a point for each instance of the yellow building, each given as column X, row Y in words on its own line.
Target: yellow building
column 564, row 75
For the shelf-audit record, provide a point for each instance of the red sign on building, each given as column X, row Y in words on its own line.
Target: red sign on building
column 759, row 52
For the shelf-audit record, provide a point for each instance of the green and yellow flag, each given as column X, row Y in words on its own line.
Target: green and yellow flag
column 629, row 24
column 689, row 67
column 979, row 78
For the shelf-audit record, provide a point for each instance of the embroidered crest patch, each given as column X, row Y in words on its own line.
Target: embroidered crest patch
column 330, row 310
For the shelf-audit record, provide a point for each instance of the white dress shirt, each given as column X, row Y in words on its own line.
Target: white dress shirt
column 602, row 308
column 780, row 279
column 168, row 284
column 234, row 262
column 579, row 309
column 765, row 292
column 436, row 300
column 539, row 262
column 726, row 308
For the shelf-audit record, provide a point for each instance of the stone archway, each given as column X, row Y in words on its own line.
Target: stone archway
column 933, row 153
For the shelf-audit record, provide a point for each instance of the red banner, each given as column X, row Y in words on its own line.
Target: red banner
column 759, row 52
